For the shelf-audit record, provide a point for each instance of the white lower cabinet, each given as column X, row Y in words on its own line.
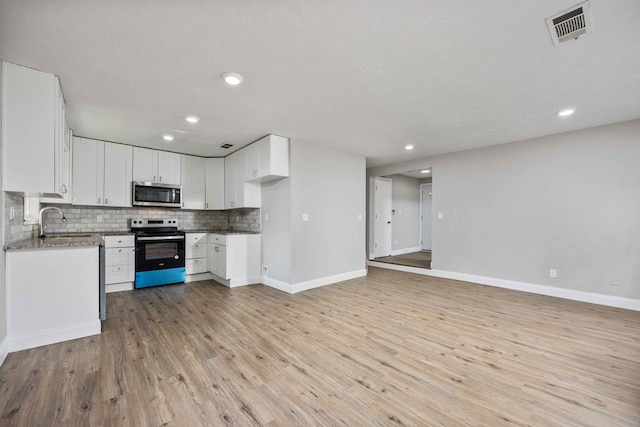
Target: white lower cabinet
column 234, row 259
column 119, row 263
column 196, row 253
column 52, row 295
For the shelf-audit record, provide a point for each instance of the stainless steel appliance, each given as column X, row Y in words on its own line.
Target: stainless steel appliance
column 160, row 252
column 155, row 194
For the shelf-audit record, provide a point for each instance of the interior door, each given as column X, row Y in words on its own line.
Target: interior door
column 382, row 220
column 426, row 196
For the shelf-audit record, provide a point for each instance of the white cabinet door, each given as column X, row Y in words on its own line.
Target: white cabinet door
column 215, row 184
column 169, row 167
column 66, row 173
column 145, row 165
column 218, row 260
column 230, row 197
column 238, row 193
column 117, row 174
column 88, row 172
column 32, row 133
column 193, row 182
column 156, row 166
column 267, row 159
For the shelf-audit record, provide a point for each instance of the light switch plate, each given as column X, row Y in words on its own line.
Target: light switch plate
column 305, row 217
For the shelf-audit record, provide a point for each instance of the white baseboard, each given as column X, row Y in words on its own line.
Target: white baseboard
column 237, row 281
column 118, row 287
column 314, row 283
column 570, row 294
column 198, row 277
column 52, row 336
column 4, row 350
column 405, row 251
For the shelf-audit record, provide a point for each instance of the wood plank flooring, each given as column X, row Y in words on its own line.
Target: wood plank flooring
column 392, row 348
column 420, row 259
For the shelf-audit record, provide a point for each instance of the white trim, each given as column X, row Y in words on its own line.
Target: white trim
column 405, row 251
column 277, row 284
column 198, row 277
column 4, row 350
column 237, row 281
column 570, row 294
column 314, row 283
column 52, row 336
column 118, row 287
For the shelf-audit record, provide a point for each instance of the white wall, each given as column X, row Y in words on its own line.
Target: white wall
column 276, row 231
column 405, row 200
column 569, row 202
column 328, row 185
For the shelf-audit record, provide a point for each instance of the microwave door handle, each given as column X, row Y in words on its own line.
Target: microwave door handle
column 156, row 238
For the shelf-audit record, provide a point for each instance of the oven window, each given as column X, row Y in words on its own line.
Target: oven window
column 162, row 250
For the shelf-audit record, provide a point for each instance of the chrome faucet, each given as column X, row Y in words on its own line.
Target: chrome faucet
column 41, row 225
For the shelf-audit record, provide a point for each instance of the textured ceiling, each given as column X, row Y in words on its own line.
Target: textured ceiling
column 364, row 76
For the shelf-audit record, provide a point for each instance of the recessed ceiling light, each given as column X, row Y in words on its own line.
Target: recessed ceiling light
column 232, row 79
column 192, row 119
column 566, row 112
column 425, row 171
column 408, row 147
column 167, row 137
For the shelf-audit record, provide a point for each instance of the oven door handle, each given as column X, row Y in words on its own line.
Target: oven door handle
column 156, row 238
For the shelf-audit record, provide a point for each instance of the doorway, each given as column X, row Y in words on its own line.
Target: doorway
column 400, row 220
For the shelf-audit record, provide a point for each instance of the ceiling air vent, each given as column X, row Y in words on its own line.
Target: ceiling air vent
column 569, row 24
column 226, row 146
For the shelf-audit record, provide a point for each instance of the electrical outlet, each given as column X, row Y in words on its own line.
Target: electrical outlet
column 99, row 218
column 553, row 273
column 615, row 281
column 265, row 271
column 266, row 217
column 440, row 215
column 305, row 217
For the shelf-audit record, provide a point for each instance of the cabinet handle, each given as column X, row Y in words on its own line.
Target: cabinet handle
column 154, row 178
column 207, row 205
column 106, row 201
column 99, row 200
column 64, row 188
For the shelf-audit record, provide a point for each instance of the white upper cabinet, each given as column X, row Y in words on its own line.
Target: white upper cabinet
column 101, row 173
column 214, row 184
column 33, row 129
column 156, row 166
column 118, row 168
column 88, row 172
column 193, row 182
column 238, row 193
column 267, row 159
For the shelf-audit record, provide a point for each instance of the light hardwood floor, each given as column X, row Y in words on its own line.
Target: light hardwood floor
column 390, row 349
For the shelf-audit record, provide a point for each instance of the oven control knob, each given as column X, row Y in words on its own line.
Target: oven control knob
column 176, row 257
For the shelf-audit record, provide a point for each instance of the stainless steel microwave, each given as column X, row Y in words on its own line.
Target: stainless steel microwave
column 156, row 194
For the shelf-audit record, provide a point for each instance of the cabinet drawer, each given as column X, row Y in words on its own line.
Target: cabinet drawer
column 196, row 250
column 194, row 238
column 119, row 241
column 118, row 274
column 197, row 265
column 218, row 239
column 118, row 256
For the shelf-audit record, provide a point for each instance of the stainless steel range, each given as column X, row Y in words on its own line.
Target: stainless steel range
column 160, row 252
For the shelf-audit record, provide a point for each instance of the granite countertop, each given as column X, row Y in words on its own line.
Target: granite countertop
column 218, row 231
column 61, row 240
